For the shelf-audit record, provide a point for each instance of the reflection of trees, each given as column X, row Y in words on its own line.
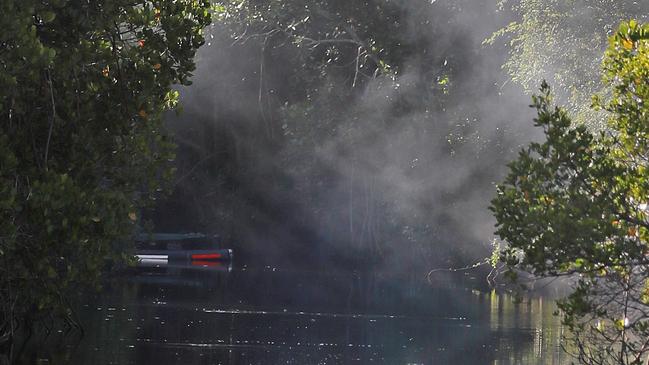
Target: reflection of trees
column 347, row 316
column 537, row 314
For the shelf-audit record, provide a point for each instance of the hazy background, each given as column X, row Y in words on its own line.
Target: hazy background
column 397, row 172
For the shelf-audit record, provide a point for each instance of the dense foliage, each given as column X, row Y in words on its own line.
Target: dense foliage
column 83, row 86
column 576, row 205
column 562, row 42
column 336, row 36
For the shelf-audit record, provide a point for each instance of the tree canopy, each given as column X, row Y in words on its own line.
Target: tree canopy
column 562, row 42
column 575, row 205
column 351, row 37
column 83, row 87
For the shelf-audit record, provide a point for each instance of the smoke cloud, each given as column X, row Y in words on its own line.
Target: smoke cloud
column 402, row 173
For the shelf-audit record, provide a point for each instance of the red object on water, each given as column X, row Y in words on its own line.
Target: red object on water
column 207, row 256
column 206, row 263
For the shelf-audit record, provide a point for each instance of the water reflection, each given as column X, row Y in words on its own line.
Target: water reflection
column 215, row 315
column 534, row 316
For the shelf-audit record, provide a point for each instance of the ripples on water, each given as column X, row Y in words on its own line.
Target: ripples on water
column 215, row 315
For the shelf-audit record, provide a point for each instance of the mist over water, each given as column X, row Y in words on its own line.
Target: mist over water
column 337, row 199
column 393, row 169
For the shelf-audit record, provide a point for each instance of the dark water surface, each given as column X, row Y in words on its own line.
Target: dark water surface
column 266, row 315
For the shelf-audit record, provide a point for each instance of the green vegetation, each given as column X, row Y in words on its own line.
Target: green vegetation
column 562, row 42
column 575, row 206
column 83, row 86
column 359, row 37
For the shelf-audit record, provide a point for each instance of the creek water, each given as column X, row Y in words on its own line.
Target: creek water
column 268, row 315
